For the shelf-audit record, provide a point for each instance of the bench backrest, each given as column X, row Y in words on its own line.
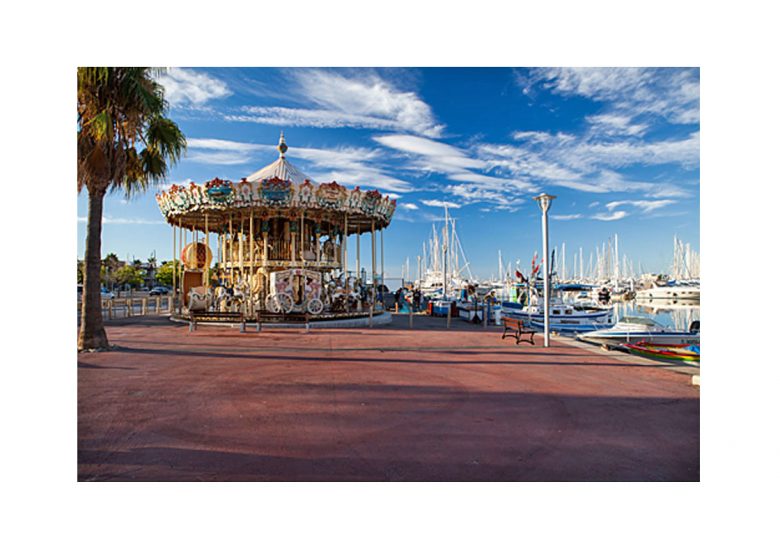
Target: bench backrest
column 509, row 321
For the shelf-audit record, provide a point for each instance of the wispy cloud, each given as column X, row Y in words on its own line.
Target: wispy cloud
column 670, row 93
column 646, row 206
column 440, row 203
column 409, row 206
column 190, row 88
column 357, row 99
column 124, row 221
column 565, row 217
column 618, row 215
column 473, row 183
column 346, row 164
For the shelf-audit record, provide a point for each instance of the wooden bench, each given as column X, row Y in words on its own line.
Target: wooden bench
column 216, row 317
column 516, row 328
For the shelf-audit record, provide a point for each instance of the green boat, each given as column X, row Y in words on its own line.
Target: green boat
column 689, row 353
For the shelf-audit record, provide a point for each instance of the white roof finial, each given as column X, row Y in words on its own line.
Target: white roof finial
column 282, row 146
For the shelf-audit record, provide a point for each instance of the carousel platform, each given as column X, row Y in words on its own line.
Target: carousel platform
column 357, row 319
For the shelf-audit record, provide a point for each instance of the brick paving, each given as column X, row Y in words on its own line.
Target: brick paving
column 382, row 404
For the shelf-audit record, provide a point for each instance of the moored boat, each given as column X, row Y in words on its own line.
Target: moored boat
column 689, row 353
column 680, row 292
column 563, row 317
column 630, row 330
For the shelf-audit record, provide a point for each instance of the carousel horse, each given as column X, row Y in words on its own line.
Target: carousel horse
column 200, row 299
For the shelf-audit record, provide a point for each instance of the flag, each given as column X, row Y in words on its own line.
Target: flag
column 552, row 263
column 520, row 276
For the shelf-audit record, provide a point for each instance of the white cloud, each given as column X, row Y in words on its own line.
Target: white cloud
column 619, row 215
column 614, row 124
column 362, row 100
column 646, row 206
column 188, row 87
column 671, row 93
column 345, row 164
column 565, row 216
column 409, row 206
column 441, row 203
column 123, row 221
column 474, row 185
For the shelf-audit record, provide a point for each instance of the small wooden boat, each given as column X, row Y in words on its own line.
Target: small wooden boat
column 676, row 352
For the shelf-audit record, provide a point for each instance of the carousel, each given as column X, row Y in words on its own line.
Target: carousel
column 274, row 245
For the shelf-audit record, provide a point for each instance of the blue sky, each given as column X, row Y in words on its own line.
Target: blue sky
column 619, row 147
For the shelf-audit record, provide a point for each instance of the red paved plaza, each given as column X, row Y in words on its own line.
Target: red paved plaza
column 376, row 404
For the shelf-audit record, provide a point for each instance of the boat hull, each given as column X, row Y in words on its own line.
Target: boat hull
column 675, row 353
column 617, row 338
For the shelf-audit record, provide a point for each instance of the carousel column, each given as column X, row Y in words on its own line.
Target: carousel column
column 382, row 249
column 373, row 264
column 173, row 262
column 303, row 244
column 357, row 256
column 373, row 253
column 230, row 245
column 344, row 249
column 265, row 245
column 317, row 242
column 241, row 251
column 288, row 235
column 179, row 268
column 251, row 257
column 207, row 272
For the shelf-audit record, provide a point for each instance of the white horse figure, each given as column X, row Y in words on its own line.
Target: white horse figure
column 200, row 299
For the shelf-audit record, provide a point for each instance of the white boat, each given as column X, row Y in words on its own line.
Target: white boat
column 474, row 312
column 680, row 292
column 641, row 329
column 563, row 316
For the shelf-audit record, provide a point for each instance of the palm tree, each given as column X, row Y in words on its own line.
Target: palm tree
column 111, row 265
column 125, row 143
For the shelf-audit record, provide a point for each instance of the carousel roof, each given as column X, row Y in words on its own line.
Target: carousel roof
column 281, row 169
column 278, row 189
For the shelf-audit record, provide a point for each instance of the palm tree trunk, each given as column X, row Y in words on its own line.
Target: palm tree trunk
column 92, row 335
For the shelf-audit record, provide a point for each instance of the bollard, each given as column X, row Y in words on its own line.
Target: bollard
column 485, row 313
column 192, row 325
column 258, row 326
column 129, row 306
column 411, row 317
column 158, row 304
column 242, row 328
column 370, row 316
column 110, row 309
column 170, row 305
column 144, row 306
column 449, row 315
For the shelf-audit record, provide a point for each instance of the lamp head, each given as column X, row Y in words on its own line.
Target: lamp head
column 545, row 201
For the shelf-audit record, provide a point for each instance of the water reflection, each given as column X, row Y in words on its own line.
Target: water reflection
column 673, row 314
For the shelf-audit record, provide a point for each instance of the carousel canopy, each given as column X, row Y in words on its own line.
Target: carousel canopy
column 277, row 190
column 281, row 169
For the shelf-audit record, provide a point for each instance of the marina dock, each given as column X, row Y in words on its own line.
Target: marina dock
column 387, row 403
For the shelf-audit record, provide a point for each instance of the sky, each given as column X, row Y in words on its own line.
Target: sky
column 618, row 147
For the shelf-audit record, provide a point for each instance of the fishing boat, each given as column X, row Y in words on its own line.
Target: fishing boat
column 688, row 353
column 629, row 330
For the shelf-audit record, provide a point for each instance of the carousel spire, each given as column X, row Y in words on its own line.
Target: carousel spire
column 282, row 146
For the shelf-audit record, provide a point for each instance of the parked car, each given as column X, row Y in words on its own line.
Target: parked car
column 105, row 294
column 159, row 291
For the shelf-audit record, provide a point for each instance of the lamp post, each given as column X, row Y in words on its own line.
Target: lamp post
column 545, row 201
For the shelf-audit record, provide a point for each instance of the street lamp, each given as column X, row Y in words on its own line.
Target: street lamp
column 545, row 201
